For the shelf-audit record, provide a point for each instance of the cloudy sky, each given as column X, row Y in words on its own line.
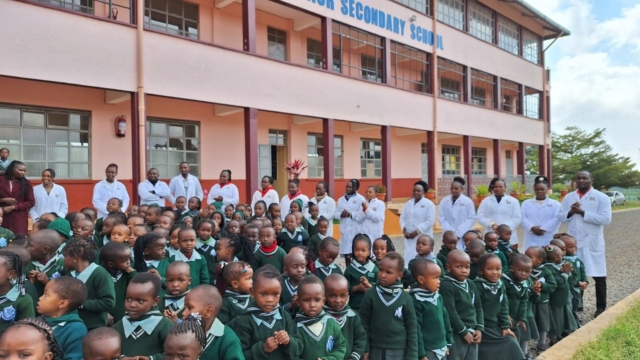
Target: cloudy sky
column 595, row 72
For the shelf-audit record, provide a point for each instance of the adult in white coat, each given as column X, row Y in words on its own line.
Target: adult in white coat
column 224, row 192
column 348, row 207
column 294, row 194
column 185, row 185
column 152, row 190
column 371, row 216
column 50, row 197
column 457, row 212
column 499, row 209
column 587, row 211
column 417, row 218
column 540, row 216
column 326, row 205
column 107, row 189
column 266, row 193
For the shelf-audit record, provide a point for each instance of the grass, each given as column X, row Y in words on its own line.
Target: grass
column 627, row 205
column 619, row 341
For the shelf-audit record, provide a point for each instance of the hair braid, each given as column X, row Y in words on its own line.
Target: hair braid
column 192, row 324
column 41, row 325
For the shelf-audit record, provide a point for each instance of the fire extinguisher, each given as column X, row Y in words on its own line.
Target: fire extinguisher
column 121, row 126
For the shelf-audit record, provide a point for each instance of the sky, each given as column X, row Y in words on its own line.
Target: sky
column 595, row 72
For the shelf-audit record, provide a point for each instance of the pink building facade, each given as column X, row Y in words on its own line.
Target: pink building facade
column 383, row 91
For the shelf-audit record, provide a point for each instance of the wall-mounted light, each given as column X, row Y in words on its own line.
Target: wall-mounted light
column 413, row 18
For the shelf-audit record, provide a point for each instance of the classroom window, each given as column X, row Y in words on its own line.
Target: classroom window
column 315, row 156
column 172, row 16
column 277, row 40
column 423, row 6
column 508, row 35
column 370, row 158
column 482, row 88
column 451, row 12
column 47, row 138
column 409, row 68
column 314, row 53
column 510, row 96
column 359, row 53
column 450, row 160
column 451, row 77
column 531, row 46
column 277, row 137
column 481, row 22
column 532, row 103
column 478, row 161
column 171, row 142
column 83, row 6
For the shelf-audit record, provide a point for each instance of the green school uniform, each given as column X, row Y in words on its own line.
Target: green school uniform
column 233, row 305
column 101, row 296
column 161, row 267
column 505, row 248
column 53, row 269
column 541, row 310
column 208, row 251
column 392, row 307
column 145, row 335
column 321, row 337
column 6, row 236
column 69, row 330
column 352, row 330
column 274, row 257
column 120, row 282
column 579, row 274
column 353, row 273
column 173, row 303
column 465, row 313
column 222, row 343
column 407, row 277
column 287, row 240
column 500, row 254
column 434, row 328
column 442, row 255
column 14, row 306
column 323, row 271
column 288, row 291
column 473, row 270
column 30, row 290
column 560, row 304
column 518, row 295
column 314, row 244
column 312, row 229
column 199, row 270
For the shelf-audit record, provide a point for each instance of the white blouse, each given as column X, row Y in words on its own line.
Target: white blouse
column 55, row 201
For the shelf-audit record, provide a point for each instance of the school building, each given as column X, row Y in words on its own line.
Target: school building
column 385, row 91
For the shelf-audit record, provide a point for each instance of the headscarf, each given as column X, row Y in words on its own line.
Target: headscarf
column 355, row 185
column 299, row 202
column 242, row 214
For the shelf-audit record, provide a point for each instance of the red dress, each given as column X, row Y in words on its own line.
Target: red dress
column 17, row 220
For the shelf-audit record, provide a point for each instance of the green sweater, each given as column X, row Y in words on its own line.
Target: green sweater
column 175, row 304
column 140, row 343
column 323, row 271
column 312, row 229
column 69, row 330
column 120, row 282
column 353, row 273
column 208, row 251
column 287, row 241
column 407, row 277
column 352, row 330
column 314, row 245
column 329, row 344
column 434, row 328
column 288, row 291
column 199, row 270
column 463, row 306
column 51, row 268
column 222, row 344
column 544, row 275
column 518, row 295
column 390, row 321
column 6, row 236
column 560, row 297
column 442, row 255
column 495, row 307
column 274, row 258
column 101, row 298
column 14, row 310
column 233, row 306
column 161, row 267
column 501, row 255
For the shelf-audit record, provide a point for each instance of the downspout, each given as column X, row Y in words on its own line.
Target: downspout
column 142, row 131
column 436, row 92
column 545, row 113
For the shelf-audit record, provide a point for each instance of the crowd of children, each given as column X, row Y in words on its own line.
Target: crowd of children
column 236, row 283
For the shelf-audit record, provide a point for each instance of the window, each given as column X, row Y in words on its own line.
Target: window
column 478, row 161
column 314, row 53
column 370, row 158
column 450, row 160
column 171, row 142
column 315, row 156
column 482, row 88
column 508, row 35
column 172, row 16
column 359, row 53
column 423, row 6
column 409, row 68
column 277, row 137
column 47, row 138
column 83, row 6
column 531, row 46
column 532, row 103
column 510, row 96
column 451, row 77
column 481, row 22
column 451, row 12
column 277, row 44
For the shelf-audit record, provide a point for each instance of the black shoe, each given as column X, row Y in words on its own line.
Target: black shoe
column 542, row 348
column 598, row 312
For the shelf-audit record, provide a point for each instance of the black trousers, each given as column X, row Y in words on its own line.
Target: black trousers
column 601, row 292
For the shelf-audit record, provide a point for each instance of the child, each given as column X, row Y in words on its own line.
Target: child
column 142, row 211
column 171, row 214
column 17, row 305
column 463, row 306
column 194, row 206
column 424, row 250
column 206, row 244
column 4, row 160
column 116, row 259
column 45, row 263
column 232, row 228
column 498, row 341
column 581, row 281
column 120, row 233
column 277, row 225
column 79, row 259
column 144, row 329
column 313, row 218
column 90, row 214
column 153, row 215
column 434, row 328
column 101, row 344
column 31, row 338
column 181, row 207
column 150, row 252
column 260, row 210
column 177, row 282
column 238, row 215
column 544, row 283
column 449, row 243
column 291, row 236
column 114, row 205
column 186, row 340
column 165, row 221
column 189, row 221
column 491, row 246
column 234, row 281
column 62, row 227
column 37, row 226
column 559, row 300
column 265, row 330
column 105, row 232
column 337, row 305
column 133, row 210
column 218, row 217
column 274, row 211
column 320, row 333
column 247, row 211
column 362, row 273
column 504, row 236
column 253, row 233
column 475, row 249
column 135, row 220
column 327, row 254
column 136, row 231
column 517, row 282
column 174, row 244
column 228, row 212
column 84, row 229
column 269, row 252
column 386, row 303
column 203, row 303
column 295, row 268
column 381, row 247
column 301, row 223
column 468, row 237
column 59, row 304
column 234, row 248
column 322, row 227
column 197, row 263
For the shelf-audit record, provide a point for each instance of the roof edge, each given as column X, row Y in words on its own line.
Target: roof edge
column 561, row 30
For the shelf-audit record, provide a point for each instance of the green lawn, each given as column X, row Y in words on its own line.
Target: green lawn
column 621, row 341
column 628, row 205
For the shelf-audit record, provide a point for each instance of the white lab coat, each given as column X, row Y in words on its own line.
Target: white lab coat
column 103, row 191
column 372, row 220
column 269, row 198
column 229, row 193
column 349, row 226
column 419, row 216
column 188, row 188
column 55, row 201
column 458, row 217
column 162, row 193
column 543, row 214
column 285, row 204
column 327, row 209
column 589, row 230
column 506, row 212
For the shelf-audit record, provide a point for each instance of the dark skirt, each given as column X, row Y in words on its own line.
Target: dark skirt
column 380, row 354
column 542, row 314
column 563, row 320
column 461, row 350
column 432, row 356
column 531, row 333
column 494, row 346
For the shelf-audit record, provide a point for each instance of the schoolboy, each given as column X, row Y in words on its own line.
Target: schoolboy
column 105, row 232
column 232, row 228
column 120, row 233
column 475, row 249
column 101, row 344
column 63, row 229
column 165, row 222
column 84, row 228
column 153, row 215
column 45, row 263
column 269, row 252
column 59, row 304
column 322, row 227
column 449, row 242
column 197, row 263
column 504, row 236
column 178, row 280
column 518, row 285
column 295, row 267
column 581, row 282
column 327, row 254
column 337, row 305
column 115, row 257
column 291, row 236
column 491, row 246
column 388, row 304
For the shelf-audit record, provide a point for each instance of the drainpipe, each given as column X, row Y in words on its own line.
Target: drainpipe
column 436, row 92
column 545, row 113
column 142, row 131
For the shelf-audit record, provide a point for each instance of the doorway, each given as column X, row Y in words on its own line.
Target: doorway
column 272, row 158
column 508, row 163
